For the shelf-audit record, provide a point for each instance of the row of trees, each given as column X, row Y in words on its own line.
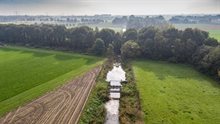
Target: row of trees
column 191, row 46
column 80, row 39
column 138, row 22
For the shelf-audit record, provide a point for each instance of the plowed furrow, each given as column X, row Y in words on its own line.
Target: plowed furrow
column 63, row 105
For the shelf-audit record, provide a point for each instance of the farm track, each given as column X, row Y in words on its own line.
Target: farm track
column 62, row 106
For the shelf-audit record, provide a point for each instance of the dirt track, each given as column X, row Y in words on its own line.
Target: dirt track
column 62, row 106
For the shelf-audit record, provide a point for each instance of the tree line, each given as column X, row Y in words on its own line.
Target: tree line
column 138, row 22
column 191, row 46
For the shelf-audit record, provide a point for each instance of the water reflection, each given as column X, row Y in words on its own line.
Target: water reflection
column 114, row 77
column 116, row 74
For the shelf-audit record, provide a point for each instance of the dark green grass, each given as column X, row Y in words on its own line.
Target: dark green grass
column 28, row 73
column 175, row 93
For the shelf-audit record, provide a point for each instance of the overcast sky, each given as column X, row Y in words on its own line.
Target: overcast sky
column 115, row 7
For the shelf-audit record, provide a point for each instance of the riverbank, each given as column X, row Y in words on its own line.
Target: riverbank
column 130, row 108
column 94, row 111
column 129, row 105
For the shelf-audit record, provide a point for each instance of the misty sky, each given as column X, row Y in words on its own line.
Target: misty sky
column 115, row 7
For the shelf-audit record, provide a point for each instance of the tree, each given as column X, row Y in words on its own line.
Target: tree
column 99, row 47
column 211, row 61
column 117, row 43
column 211, row 42
column 190, row 46
column 146, row 40
column 195, row 35
column 107, row 35
column 130, row 34
column 130, row 49
column 110, row 50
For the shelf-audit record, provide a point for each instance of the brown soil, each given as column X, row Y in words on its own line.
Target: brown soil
column 62, row 106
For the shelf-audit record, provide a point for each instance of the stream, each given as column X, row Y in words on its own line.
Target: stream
column 114, row 78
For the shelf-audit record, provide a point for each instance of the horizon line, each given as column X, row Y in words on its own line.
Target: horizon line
column 107, row 14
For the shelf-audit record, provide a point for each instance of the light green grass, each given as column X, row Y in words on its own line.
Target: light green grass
column 215, row 34
column 28, row 73
column 214, row 30
column 176, row 94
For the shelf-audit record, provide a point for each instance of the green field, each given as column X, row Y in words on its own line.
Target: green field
column 215, row 34
column 176, row 94
column 27, row 73
column 214, row 30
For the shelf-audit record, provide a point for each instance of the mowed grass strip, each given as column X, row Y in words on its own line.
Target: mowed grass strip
column 27, row 73
column 176, row 94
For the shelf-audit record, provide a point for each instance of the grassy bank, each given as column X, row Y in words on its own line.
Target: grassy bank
column 94, row 111
column 130, row 109
column 28, row 73
column 176, row 93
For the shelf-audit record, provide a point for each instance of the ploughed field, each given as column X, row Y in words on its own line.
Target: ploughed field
column 26, row 74
column 176, row 93
column 62, row 106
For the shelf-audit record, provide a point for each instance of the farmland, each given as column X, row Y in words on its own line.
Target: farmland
column 27, row 73
column 176, row 93
column 214, row 30
column 61, row 106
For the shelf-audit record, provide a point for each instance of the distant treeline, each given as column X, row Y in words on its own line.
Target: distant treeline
column 206, row 19
column 190, row 46
column 137, row 22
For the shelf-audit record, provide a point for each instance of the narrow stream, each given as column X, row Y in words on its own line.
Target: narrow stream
column 114, row 78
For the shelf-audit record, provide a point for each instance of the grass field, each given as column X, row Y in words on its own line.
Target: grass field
column 176, row 94
column 215, row 34
column 214, row 30
column 28, row 73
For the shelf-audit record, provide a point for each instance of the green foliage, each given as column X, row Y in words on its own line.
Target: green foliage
column 80, row 38
column 130, row 49
column 107, row 35
column 94, row 111
column 155, row 43
column 117, row 43
column 175, row 93
column 99, row 47
column 211, row 42
column 110, row 50
column 207, row 59
column 28, row 73
column 178, row 46
column 130, row 109
column 130, row 34
column 213, row 29
column 135, row 22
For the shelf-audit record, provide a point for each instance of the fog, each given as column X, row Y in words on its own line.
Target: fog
column 115, row 7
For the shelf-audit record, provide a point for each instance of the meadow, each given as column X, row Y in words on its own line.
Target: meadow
column 176, row 93
column 214, row 30
column 28, row 73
